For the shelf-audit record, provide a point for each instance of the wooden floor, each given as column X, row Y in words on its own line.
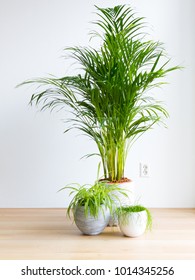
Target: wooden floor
column 49, row 234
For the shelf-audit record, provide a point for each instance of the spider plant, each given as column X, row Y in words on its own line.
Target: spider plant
column 111, row 99
column 94, row 198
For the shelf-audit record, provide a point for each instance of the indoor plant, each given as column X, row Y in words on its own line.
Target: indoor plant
column 134, row 220
column 111, row 100
column 92, row 206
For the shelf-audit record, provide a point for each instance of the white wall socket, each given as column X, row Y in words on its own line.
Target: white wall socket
column 144, row 170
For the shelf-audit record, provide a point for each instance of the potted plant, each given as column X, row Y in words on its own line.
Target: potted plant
column 134, row 220
column 92, row 206
column 111, row 99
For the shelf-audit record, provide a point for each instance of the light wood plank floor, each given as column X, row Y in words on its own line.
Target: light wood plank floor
column 49, row 234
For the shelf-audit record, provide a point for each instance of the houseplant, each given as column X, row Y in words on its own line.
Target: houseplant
column 134, row 220
column 111, row 100
column 92, row 206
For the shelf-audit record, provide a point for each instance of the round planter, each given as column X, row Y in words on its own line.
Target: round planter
column 128, row 188
column 133, row 224
column 90, row 225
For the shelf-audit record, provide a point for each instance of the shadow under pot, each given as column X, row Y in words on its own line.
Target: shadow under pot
column 89, row 224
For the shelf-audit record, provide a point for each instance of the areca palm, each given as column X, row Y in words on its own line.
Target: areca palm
column 111, row 99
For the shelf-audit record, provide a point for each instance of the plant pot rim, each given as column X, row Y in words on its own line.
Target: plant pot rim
column 132, row 212
column 81, row 208
column 122, row 180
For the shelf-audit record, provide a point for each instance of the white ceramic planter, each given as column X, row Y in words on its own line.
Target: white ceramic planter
column 133, row 224
column 90, row 225
column 128, row 188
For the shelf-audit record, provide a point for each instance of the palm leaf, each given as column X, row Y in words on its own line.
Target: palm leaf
column 112, row 100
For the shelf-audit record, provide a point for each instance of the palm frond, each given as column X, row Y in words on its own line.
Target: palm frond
column 112, row 100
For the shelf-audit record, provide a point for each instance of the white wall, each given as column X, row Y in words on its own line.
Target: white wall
column 36, row 158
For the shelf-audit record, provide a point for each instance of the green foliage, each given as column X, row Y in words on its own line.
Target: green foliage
column 93, row 198
column 111, row 100
column 124, row 211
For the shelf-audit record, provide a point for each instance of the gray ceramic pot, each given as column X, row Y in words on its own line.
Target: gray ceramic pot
column 90, row 225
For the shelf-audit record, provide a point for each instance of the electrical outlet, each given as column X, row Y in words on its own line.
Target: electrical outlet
column 144, row 170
